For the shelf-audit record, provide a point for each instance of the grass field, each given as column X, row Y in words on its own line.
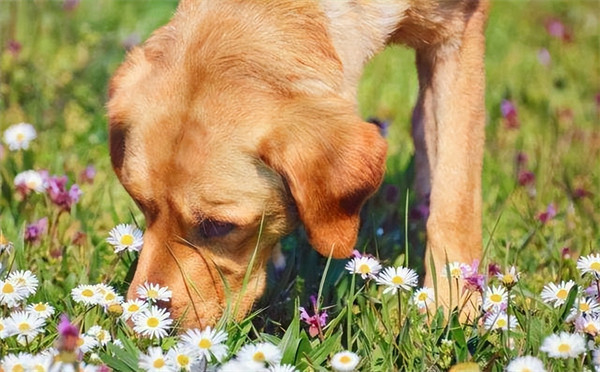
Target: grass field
column 541, row 194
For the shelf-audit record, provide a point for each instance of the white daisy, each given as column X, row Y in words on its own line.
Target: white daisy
column 153, row 322
column 86, row 294
column 24, row 279
column 10, row 294
column 397, row 278
column 101, row 335
column 455, row 270
column 262, row 353
column 155, row 361
column 365, row 266
column 107, row 295
column 525, row 364
column 589, row 324
column 565, row 345
column 16, row 362
column 495, row 297
column 42, row 309
column 557, row 294
column 184, row 357
column 25, row 325
column 40, row 363
column 510, row 277
column 344, row 361
column 589, row 264
column 207, row 343
column 30, row 180
column 133, row 307
column 500, row 320
column 86, row 342
column 423, row 297
column 18, row 136
column 153, row 292
column 583, row 306
column 126, row 237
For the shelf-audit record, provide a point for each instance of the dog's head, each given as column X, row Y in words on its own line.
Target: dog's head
column 228, row 130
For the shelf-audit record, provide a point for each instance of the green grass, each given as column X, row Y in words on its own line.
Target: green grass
column 58, row 81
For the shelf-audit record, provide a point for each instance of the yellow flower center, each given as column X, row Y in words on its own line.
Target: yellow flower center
column 595, row 266
column 525, row 369
column 422, row 296
column 31, row 184
column 20, row 137
column 8, row 288
column 152, row 293
column 39, row 368
column 364, row 269
column 495, row 297
column 564, row 348
column 508, row 279
column 18, row 368
column 133, row 308
column 1, row 327
column 591, row 329
column 158, row 363
column 40, row 307
column 101, row 336
column 205, row 343
column 87, row 293
column 259, row 356
column 80, row 341
column 152, row 322
column 562, row 293
column 183, row 360
column 583, row 306
column 456, row 272
column 398, row 280
column 501, row 323
column 127, row 239
column 345, row 359
column 24, row 327
column 110, row 296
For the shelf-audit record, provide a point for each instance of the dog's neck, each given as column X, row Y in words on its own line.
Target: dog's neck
column 360, row 29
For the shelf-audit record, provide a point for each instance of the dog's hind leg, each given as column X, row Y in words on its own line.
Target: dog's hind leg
column 448, row 126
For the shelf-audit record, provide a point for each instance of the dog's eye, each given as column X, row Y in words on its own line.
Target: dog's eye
column 213, row 229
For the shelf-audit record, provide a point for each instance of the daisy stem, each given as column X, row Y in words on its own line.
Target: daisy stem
column 349, row 314
column 399, row 293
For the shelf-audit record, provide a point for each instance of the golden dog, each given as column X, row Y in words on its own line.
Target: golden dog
column 237, row 120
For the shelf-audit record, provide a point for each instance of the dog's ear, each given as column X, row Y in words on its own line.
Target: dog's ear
column 332, row 162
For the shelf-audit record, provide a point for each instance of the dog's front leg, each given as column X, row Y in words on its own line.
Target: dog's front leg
column 448, row 127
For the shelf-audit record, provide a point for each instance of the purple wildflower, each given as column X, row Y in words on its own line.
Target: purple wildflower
column 59, row 195
column 557, row 29
column 565, row 253
column 316, row 321
column 474, row 281
column 549, row 214
column 34, row 231
column 580, row 193
column 88, row 174
column 14, row 47
column 68, row 334
column 494, row 269
column 509, row 113
column 526, row 178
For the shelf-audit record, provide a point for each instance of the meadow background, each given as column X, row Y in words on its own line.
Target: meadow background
column 541, row 185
